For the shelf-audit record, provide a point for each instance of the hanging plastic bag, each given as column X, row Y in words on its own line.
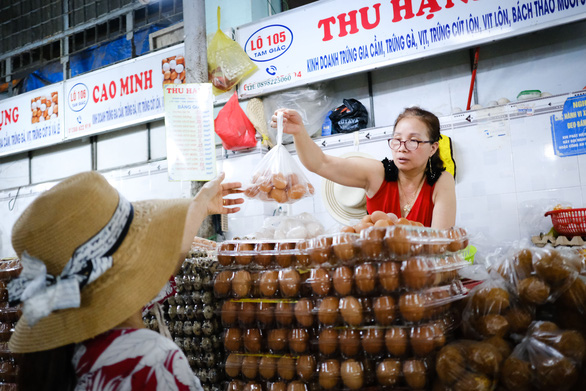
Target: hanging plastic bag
column 233, row 126
column 349, row 117
column 278, row 177
column 227, row 62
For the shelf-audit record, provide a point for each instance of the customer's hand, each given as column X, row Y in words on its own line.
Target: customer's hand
column 215, row 192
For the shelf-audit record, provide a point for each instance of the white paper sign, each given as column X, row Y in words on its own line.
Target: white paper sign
column 121, row 95
column 332, row 38
column 32, row 120
column 189, row 120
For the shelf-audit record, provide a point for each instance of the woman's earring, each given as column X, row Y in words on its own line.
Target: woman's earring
column 432, row 174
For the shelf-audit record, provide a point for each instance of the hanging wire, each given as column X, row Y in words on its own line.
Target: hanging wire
column 13, row 201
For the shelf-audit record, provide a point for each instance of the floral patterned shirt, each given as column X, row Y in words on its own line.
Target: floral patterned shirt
column 132, row 359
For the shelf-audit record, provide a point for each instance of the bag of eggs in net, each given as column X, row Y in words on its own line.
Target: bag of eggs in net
column 493, row 310
column 548, row 358
column 278, row 177
column 538, row 275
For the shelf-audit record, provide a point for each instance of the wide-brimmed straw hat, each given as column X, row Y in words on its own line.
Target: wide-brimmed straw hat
column 345, row 204
column 64, row 218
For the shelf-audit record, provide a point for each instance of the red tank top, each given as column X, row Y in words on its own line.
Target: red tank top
column 387, row 200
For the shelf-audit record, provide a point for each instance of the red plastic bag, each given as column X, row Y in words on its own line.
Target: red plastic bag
column 233, row 126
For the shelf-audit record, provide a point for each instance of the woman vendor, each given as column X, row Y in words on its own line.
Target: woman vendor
column 414, row 184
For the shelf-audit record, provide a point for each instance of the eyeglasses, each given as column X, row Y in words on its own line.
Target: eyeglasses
column 410, row 145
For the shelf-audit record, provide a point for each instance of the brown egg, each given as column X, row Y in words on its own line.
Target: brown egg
column 277, row 386
column 503, row 347
column 306, row 367
column 388, row 276
column 379, row 215
column 553, row 268
column 388, row 372
column 222, row 283
column 233, row 364
column 301, row 253
column 267, row 367
column 327, row 311
column 458, row 239
column 285, row 253
column 344, row 247
column 296, row 386
column 286, row 367
column 265, row 313
column 343, row 280
column 264, row 255
column 491, row 325
column 516, row 374
column 383, row 223
column 413, row 306
column 298, row 340
column 349, row 341
column 364, row 277
column 473, row 381
column 252, row 340
column 398, row 242
column 310, row 188
column 235, row 385
column 279, row 195
column 396, row 341
column 329, row 373
column 244, row 253
column 320, row 250
column 293, row 179
column 328, row 341
column 384, row 310
column 225, row 251
column 233, row 339
column 351, row 311
column 284, row 313
column 277, row 340
column 484, row 358
column 269, row 282
column 415, row 374
column 241, row 283
column 296, row 191
column 348, row 229
column 249, row 366
column 450, row 364
column 279, row 181
column 320, row 281
column 252, row 191
column 289, row 281
column 352, row 374
column 247, row 313
column 571, row 344
column 265, row 185
column 533, row 290
column 422, row 340
column 373, row 340
column 371, row 243
column 229, row 313
column 417, row 273
column 304, row 312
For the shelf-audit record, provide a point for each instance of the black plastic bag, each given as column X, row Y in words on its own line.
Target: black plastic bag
column 349, row 117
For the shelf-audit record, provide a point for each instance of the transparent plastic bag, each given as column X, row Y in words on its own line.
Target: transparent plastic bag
column 311, row 102
column 278, row 177
column 492, row 310
column 227, row 62
column 548, row 358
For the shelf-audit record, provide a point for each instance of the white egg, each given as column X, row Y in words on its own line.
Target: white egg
column 172, row 64
column 43, row 107
column 503, row 101
column 313, row 229
column 177, row 81
column 166, row 67
column 41, row 118
column 33, row 105
column 456, row 110
column 492, row 103
column 50, row 110
column 53, row 116
column 179, row 68
column 476, row 107
column 297, row 233
column 280, row 235
column 546, row 94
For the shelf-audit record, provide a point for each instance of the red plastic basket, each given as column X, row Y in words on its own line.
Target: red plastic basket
column 569, row 222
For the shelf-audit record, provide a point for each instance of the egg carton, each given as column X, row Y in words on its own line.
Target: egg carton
column 404, row 308
column 304, row 373
column 10, row 268
column 259, row 254
column 366, row 279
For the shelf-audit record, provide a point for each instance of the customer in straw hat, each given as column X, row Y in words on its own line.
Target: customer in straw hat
column 91, row 261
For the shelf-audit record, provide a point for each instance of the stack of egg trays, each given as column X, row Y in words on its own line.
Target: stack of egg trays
column 373, row 317
column 192, row 317
column 9, row 269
